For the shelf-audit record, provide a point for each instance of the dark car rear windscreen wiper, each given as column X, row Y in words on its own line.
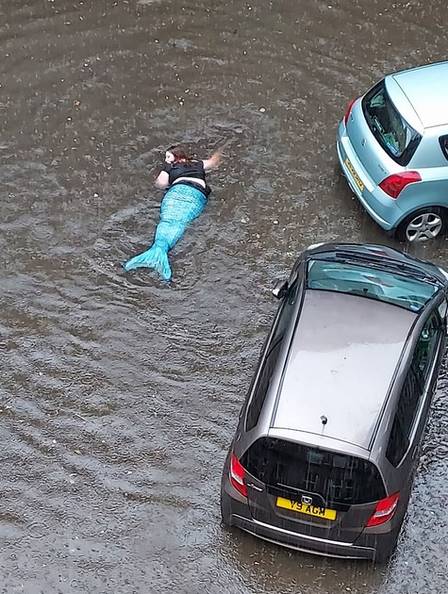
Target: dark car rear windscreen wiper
column 384, row 264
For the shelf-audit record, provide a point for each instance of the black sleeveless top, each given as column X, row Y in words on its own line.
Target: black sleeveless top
column 191, row 169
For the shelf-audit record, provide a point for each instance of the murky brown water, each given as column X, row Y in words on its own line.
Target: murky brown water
column 119, row 394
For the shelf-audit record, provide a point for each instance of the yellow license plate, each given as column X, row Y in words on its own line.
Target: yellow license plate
column 358, row 180
column 306, row 508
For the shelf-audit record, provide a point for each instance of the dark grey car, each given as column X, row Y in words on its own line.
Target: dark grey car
column 328, row 438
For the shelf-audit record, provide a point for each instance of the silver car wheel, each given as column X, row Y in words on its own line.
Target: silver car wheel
column 423, row 227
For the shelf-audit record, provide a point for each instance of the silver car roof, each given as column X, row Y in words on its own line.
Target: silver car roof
column 427, row 90
column 342, row 359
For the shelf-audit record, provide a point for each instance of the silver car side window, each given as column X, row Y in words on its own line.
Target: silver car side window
column 443, row 140
column 267, row 369
column 412, row 390
column 442, row 309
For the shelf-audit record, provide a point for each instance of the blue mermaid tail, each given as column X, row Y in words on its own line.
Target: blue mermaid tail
column 156, row 257
column 181, row 205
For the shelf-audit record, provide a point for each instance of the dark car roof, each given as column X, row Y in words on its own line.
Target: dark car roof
column 342, row 359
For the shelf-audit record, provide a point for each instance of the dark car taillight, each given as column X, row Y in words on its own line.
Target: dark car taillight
column 348, row 111
column 384, row 510
column 237, row 475
column 395, row 183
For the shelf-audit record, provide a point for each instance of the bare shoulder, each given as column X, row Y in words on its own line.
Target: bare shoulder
column 162, row 180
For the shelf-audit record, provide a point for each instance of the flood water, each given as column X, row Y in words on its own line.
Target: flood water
column 119, row 394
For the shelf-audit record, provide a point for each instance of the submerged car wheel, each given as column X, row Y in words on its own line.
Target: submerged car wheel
column 423, row 225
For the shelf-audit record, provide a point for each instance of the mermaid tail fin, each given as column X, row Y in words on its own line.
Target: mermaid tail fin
column 180, row 205
column 155, row 257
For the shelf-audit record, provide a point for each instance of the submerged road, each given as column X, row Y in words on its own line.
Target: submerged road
column 119, row 394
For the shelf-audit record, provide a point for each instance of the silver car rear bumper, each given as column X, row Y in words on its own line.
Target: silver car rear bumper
column 302, row 542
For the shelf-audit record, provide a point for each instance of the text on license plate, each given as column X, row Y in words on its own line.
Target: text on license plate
column 306, row 508
column 355, row 176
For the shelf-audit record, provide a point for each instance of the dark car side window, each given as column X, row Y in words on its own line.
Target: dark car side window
column 412, row 390
column 443, row 140
column 275, row 345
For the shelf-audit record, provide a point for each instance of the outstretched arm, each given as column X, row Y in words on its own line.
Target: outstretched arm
column 213, row 161
column 162, row 180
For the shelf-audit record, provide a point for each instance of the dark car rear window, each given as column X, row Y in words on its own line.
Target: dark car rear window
column 338, row 478
column 391, row 130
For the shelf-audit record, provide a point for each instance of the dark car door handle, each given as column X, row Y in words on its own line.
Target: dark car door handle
column 255, row 487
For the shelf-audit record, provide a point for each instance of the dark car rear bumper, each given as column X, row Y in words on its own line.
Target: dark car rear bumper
column 235, row 512
column 304, row 543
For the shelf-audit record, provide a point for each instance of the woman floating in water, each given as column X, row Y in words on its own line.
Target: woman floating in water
column 184, row 200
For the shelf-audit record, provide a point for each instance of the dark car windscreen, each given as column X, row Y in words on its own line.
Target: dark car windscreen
column 337, row 477
column 391, row 130
column 357, row 279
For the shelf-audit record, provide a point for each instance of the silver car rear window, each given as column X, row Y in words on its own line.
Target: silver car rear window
column 390, row 129
column 343, row 277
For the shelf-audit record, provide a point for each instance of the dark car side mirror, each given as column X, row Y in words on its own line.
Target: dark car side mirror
column 280, row 289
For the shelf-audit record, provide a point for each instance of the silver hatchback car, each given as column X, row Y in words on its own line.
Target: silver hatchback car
column 328, row 438
column 393, row 149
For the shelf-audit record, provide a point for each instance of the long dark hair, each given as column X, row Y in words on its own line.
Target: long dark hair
column 180, row 153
